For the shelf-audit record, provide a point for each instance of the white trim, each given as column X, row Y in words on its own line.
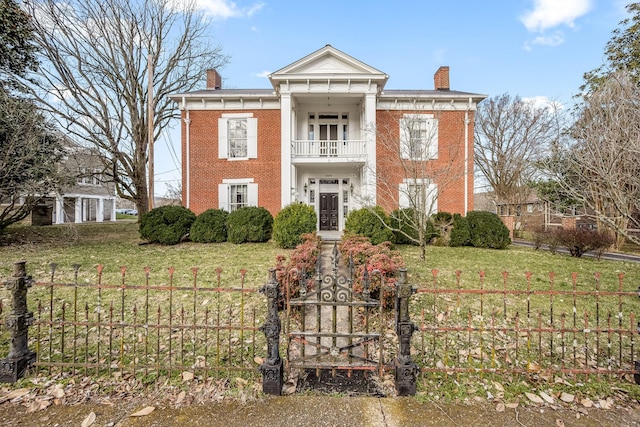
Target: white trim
column 237, row 115
column 237, row 181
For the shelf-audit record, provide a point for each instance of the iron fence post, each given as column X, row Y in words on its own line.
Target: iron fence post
column 18, row 321
column 406, row 371
column 272, row 367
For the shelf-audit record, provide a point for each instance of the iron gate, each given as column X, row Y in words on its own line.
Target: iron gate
column 330, row 325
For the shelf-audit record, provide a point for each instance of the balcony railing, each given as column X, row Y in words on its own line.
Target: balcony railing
column 328, row 148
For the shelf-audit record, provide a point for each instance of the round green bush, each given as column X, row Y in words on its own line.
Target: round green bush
column 369, row 222
column 291, row 223
column 460, row 233
column 210, row 227
column 404, row 230
column 487, row 230
column 166, row 225
column 249, row 224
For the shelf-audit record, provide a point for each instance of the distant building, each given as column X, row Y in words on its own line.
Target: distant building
column 88, row 199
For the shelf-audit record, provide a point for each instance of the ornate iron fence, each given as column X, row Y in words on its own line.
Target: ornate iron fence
column 156, row 328
column 507, row 326
column 168, row 324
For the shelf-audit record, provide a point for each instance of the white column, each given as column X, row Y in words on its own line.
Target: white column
column 113, row 209
column 369, row 126
column 285, row 160
column 60, row 214
column 78, row 210
column 100, row 210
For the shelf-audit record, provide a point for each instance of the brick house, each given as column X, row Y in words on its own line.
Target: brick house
column 327, row 134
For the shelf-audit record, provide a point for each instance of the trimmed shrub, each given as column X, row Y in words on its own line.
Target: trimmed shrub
column 369, row 222
column 487, row 230
column 210, row 227
column 249, row 224
column 166, row 225
column 460, row 233
column 291, row 223
column 581, row 240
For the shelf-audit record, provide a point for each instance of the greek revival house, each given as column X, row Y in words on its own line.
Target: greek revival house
column 329, row 134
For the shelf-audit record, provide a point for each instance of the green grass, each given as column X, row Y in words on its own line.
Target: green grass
column 118, row 244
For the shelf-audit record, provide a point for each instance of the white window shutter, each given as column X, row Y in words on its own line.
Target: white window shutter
column 403, row 199
column 432, row 126
column 223, row 144
column 252, row 194
column 252, row 138
column 223, row 197
column 405, row 138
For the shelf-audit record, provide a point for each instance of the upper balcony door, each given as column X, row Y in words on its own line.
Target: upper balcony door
column 328, row 139
column 325, row 129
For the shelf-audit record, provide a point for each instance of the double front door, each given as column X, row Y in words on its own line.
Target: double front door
column 328, row 211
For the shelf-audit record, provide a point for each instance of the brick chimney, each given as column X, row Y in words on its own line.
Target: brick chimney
column 441, row 78
column 214, row 79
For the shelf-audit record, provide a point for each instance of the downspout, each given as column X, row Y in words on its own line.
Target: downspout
column 187, row 121
column 466, row 158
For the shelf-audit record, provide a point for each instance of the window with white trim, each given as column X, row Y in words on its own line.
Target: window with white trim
column 237, row 136
column 418, row 137
column 420, row 194
column 237, row 193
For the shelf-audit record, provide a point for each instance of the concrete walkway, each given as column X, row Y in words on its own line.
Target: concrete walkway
column 316, row 411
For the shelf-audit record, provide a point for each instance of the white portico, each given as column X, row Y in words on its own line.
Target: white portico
column 328, row 116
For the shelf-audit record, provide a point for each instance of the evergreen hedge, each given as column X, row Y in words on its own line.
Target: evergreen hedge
column 369, row 222
column 487, row 230
column 249, row 224
column 210, row 227
column 166, row 225
column 293, row 222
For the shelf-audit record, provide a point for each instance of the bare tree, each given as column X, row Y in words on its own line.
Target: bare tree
column 413, row 169
column 94, row 80
column 511, row 136
column 601, row 168
column 29, row 159
column 174, row 193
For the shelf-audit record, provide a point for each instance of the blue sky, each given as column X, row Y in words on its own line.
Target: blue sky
column 531, row 48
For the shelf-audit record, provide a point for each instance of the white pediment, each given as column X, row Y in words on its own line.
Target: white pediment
column 328, row 61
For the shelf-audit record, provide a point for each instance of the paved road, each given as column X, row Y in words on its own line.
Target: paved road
column 611, row 256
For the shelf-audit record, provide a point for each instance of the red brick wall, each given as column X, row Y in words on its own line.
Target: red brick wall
column 447, row 171
column 207, row 171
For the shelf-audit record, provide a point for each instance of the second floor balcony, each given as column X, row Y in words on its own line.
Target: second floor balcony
column 329, row 150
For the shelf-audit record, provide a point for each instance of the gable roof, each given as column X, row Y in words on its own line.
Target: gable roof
column 328, row 63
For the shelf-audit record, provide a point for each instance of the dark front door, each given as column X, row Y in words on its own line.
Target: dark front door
column 328, row 211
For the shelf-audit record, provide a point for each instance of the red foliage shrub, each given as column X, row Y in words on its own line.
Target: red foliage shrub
column 304, row 256
column 373, row 258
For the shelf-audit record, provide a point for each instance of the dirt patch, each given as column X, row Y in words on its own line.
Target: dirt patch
column 326, row 381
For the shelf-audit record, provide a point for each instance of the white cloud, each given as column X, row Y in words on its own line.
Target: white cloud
column 225, row 9
column 263, row 74
column 552, row 13
column 543, row 102
column 552, row 40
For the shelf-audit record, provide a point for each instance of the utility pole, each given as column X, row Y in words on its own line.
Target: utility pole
column 150, row 128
